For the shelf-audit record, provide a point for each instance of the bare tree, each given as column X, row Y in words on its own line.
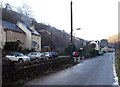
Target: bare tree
column 1, row 3
column 25, row 9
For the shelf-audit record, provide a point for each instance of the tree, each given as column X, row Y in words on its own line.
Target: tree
column 7, row 15
column 103, row 43
column 68, row 48
column 25, row 9
column 1, row 3
column 89, row 51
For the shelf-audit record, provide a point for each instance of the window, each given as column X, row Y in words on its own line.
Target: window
column 19, row 54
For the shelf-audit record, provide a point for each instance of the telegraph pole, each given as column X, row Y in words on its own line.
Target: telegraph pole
column 71, row 24
column 71, row 47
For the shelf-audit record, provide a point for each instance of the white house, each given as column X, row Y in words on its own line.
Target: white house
column 97, row 47
column 32, row 39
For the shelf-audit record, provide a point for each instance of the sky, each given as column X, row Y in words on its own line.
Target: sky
column 98, row 19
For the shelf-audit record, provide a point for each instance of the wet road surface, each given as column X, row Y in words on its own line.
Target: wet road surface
column 94, row 71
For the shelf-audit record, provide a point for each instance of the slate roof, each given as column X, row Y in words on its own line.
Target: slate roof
column 10, row 26
column 86, row 42
column 32, row 31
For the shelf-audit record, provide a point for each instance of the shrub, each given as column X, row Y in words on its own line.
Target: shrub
column 89, row 51
column 13, row 46
column 69, row 47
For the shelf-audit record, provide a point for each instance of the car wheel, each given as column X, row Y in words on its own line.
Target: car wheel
column 20, row 60
column 36, row 58
column 47, row 57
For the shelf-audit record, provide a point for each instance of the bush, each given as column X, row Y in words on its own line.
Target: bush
column 89, row 51
column 69, row 47
column 13, row 46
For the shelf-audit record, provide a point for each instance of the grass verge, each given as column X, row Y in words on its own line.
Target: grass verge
column 117, row 65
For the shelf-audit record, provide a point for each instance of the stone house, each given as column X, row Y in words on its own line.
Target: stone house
column 33, row 38
column 9, row 32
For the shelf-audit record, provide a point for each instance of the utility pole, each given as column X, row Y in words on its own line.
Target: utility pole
column 71, row 47
column 71, row 24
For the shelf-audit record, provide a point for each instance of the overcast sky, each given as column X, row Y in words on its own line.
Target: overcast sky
column 98, row 19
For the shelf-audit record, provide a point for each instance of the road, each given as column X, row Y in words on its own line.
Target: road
column 94, row 71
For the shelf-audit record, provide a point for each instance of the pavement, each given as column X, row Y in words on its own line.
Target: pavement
column 95, row 71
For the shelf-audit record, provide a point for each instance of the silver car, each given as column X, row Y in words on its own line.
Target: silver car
column 35, row 55
column 17, row 57
column 47, row 55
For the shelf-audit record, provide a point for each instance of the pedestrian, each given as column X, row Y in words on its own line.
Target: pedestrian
column 76, row 55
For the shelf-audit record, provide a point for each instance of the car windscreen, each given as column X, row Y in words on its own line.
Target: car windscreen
column 20, row 54
column 40, row 54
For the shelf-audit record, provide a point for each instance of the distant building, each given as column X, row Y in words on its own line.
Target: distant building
column 32, row 39
column 104, row 45
column 105, row 49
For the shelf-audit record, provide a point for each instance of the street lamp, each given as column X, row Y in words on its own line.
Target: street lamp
column 74, row 34
column 78, row 29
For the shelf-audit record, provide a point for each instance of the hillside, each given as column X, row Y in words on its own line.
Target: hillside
column 114, row 38
column 51, row 36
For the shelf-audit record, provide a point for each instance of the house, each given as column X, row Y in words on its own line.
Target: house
column 96, row 43
column 97, row 46
column 9, row 32
column 33, row 38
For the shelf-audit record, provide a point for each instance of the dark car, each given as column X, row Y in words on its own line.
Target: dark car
column 54, row 54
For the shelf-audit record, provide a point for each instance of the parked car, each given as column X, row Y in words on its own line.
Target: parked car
column 54, row 54
column 35, row 55
column 17, row 57
column 47, row 55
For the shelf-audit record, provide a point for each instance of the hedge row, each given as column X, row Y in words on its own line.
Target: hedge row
column 14, row 72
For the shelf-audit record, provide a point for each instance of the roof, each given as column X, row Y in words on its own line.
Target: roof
column 32, row 31
column 86, row 42
column 10, row 26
